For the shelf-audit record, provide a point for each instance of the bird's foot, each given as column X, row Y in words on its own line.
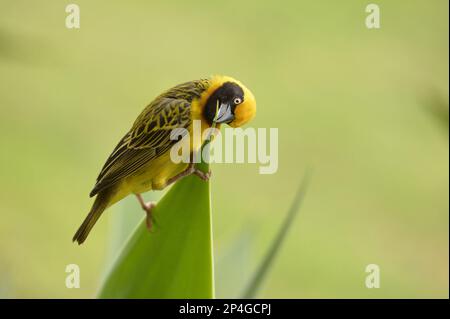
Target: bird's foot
column 149, row 221
column 204, row 176
column 147, row 207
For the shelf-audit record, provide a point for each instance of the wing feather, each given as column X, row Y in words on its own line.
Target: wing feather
column 148, row 139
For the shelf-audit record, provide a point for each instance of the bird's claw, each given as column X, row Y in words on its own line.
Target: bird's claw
column 148, row 207
column 204, row 176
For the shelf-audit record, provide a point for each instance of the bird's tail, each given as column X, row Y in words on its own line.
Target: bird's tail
column 100, row 204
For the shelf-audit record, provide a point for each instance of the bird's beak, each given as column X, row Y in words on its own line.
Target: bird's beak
column 224, row 115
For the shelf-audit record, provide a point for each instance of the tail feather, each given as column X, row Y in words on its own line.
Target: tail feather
column 100, row 204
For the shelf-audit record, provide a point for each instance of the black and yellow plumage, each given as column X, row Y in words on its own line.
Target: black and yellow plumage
column 141, row 160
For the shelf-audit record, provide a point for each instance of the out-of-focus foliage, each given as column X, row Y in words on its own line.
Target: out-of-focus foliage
column 260, row 274
column 437, row 106
column 345, row 100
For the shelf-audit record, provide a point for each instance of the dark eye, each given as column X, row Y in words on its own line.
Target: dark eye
column 237, row 100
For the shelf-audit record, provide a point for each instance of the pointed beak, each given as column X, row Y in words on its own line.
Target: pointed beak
column 224, row 115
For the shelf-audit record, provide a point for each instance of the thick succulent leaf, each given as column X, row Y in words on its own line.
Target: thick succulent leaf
column 176, row 259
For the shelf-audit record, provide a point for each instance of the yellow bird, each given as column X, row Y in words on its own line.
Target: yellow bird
column 141, row 161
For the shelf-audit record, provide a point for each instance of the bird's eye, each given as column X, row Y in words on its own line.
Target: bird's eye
column 237, row 100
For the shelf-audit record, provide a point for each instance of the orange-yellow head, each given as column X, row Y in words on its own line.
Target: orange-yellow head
column 229, row 101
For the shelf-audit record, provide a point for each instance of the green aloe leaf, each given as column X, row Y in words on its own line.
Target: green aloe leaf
column 176, row 259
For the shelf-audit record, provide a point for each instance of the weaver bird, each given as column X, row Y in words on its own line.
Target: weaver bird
column 141, row 161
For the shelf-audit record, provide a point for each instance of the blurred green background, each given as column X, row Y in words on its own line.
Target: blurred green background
column 353, row 103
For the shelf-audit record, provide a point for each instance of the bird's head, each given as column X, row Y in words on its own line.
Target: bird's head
column 229, row 102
